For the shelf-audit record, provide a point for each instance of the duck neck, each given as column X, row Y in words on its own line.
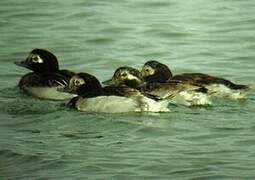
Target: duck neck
column 89, row 91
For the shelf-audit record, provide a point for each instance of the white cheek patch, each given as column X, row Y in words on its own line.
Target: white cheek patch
column 39, row 59
column 73, row 85
column 148, row 71
column 131, row 77
column 151, row 70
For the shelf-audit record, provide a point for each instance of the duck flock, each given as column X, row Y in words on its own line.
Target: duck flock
column 150, row 89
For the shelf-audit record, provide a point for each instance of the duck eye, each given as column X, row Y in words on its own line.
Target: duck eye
column 36, row 59
column 149, row 70
column 76, row 82
column 124, row 74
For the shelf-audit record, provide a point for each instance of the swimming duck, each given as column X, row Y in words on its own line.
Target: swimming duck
column 92, row 97
column 46, row 76
column 174, row 91
column 158, row 72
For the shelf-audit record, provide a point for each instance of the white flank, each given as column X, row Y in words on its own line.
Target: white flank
column 191, row 98
column 48, row 93
column 220, row 90
column 117, row 104
column 150, row 105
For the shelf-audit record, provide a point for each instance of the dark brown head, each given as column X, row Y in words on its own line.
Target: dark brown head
column 40, row 61
column 84, row 84
column 154, row 71
column 127, row 76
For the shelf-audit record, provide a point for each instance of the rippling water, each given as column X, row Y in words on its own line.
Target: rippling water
column 44, row 140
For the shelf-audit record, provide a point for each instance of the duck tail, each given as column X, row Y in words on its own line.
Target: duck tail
column 251, row 87
column 238, row 86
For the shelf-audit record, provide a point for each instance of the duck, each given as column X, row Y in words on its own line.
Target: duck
column 176, row 92
column 218, row 87
column 93, row 97
column 45, row 78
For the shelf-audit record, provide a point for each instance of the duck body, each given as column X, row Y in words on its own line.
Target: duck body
column 92, row 97
column 118, row 104
column 44, row 86
column 216, row 86
column 46, row 77
column 176, row 92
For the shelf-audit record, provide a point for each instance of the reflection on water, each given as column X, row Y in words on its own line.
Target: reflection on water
column 43, row 140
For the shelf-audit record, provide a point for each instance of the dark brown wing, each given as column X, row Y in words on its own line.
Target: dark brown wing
column 43, row 80
column 32, row 80
column 204, row 79
column 170, row 89
column 195, row 77
column 120, row 91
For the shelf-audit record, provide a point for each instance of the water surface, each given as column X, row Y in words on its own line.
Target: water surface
column 44, row 140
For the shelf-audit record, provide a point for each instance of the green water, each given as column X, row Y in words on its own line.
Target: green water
column 44, row 140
